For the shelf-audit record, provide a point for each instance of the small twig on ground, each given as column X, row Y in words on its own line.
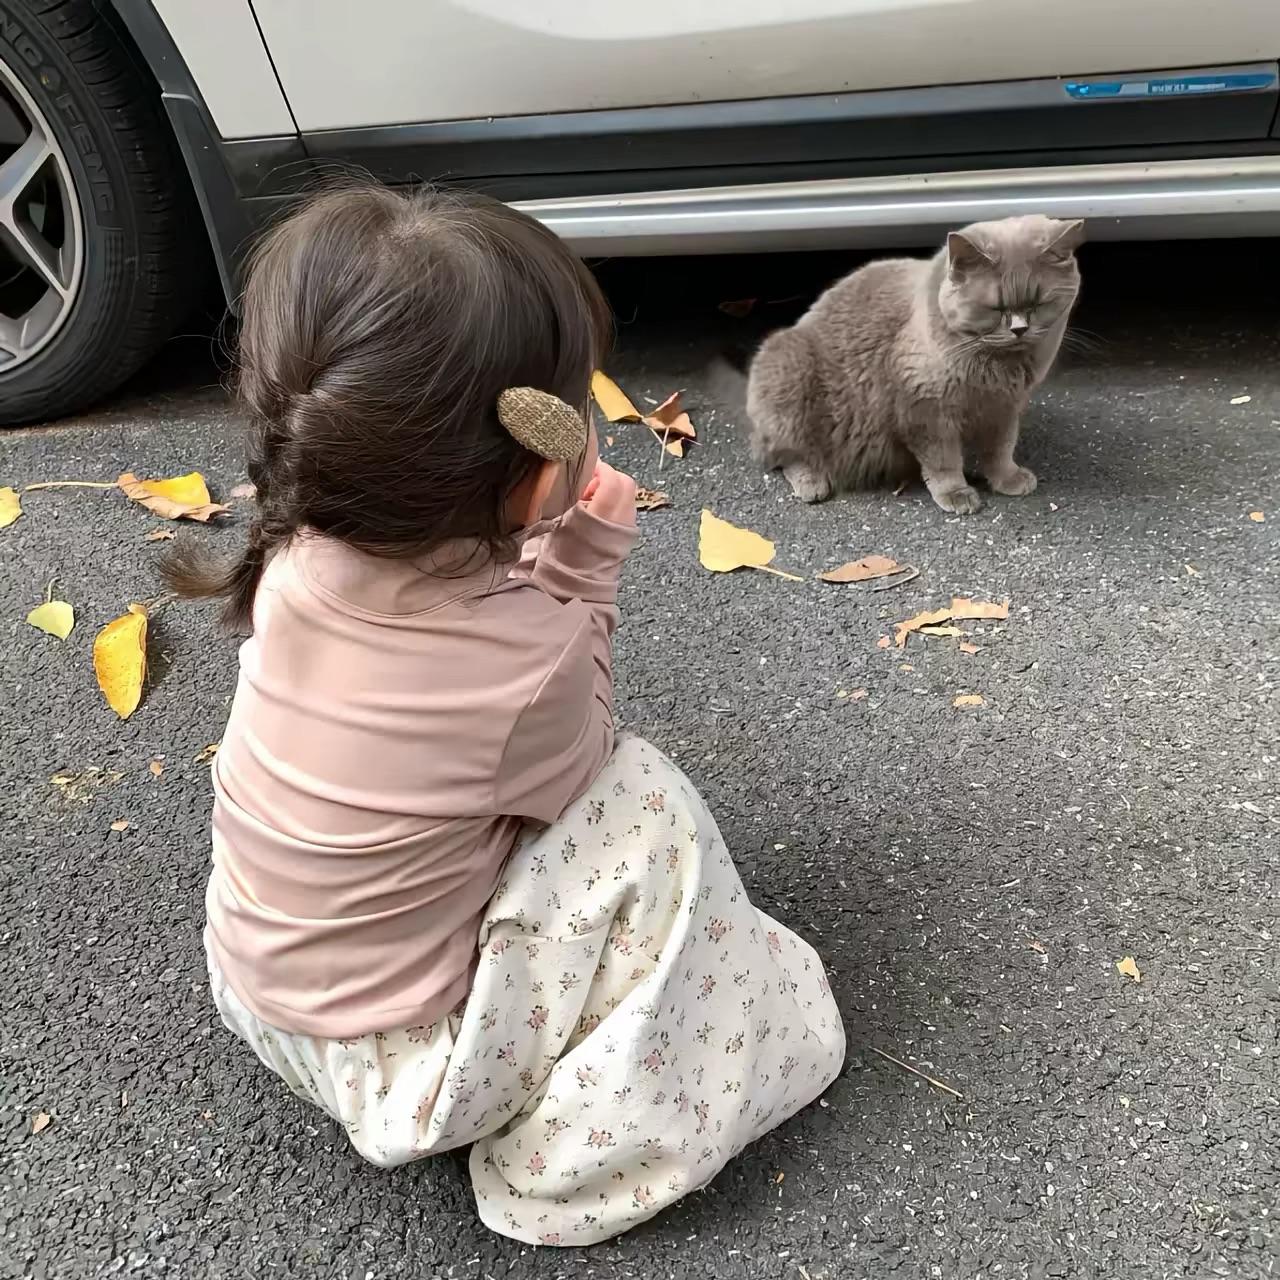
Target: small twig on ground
column 768, row 568
column 71, row 484
column 906, row 1066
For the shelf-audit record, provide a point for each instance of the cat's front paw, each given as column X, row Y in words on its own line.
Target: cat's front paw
column 1015, row 483
column 962, row 500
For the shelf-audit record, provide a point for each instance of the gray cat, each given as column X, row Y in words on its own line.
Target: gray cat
column 907, row 364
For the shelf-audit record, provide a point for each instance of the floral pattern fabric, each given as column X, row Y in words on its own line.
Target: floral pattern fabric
column 634, row 1022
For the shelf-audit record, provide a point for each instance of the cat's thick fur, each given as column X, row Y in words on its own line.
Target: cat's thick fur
column 907, row 365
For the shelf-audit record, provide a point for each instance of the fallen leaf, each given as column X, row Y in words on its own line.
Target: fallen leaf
column 160, row 535
column 245, row 491
column 1129, row 967
column 738, row 308
column 883, row 643
column 205, row 754
column 612, row 400
column 82, row 787
column 1257, row 517
column 966, row 647
column 930, row 618
column 941, row 631
column 1192, row 570
column 670, row 423
column 777, row 1182
column 156, row 767
column 54, row 617
column 970, row 700
column 963, row 609
column 10, row 506
column 723, row 547
column 120, row 824
column 1241, row 399
column 120, row 660
column 906, row 666
column 857, row 695
column 609, row 441
column 40, row 1122
column 863, row 570
column 651, row 500
column 179, row 498
column 1037, row 946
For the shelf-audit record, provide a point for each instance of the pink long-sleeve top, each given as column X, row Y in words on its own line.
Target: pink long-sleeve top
column 392, row 728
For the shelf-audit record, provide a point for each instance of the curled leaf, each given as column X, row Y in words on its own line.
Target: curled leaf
column 723, row 547
column 612, row 400
column 961, row 609
column 178, row 498
column 120, row 660
column 863, row 570
column 671, row 424
column 54, row 617
column 1129, row 967
column 651, row 500
column 10, row 506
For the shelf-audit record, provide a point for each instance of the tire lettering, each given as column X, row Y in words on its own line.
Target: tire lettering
column 104, row 199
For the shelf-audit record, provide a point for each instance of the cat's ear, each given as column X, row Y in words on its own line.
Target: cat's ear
column 963, row 255
column 1066, row 242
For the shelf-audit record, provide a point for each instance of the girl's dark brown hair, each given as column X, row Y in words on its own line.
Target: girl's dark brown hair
column 379, row 328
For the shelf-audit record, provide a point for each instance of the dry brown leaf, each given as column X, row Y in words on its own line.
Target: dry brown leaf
column 723, row 547
column 80, row 788
column 883, row 643
column 670, row 423
column 205, row 754
column 963, row 609
column 160, row 535
column 738, row 308
column 863, row 570
column 930, row 618
column 10, row 506
column 120, row 660
column 651, row 500
column 970, row 700
column 156, row 767
column 245, row 491
column 940, row 631
column 120, row 824
column 966, row 647
column 178, row 498
column 1257, row 517
column 40, row 1122
column 1129, row 967
column 612, row 400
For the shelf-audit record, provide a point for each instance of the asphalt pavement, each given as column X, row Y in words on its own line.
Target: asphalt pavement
column 971, row 875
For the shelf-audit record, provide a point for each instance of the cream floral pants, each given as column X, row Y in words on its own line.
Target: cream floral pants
column 634, row 1023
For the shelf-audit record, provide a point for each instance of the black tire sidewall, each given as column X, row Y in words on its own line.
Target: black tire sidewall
column 113, row 258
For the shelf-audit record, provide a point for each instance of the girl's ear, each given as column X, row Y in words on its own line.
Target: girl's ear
column 528, row 498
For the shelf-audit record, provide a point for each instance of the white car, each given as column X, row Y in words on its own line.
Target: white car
column 142, row 139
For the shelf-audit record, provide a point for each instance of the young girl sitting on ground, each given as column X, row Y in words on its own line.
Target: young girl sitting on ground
column 446, row 906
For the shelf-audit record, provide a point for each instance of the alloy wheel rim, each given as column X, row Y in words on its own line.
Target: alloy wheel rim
column 41, row 230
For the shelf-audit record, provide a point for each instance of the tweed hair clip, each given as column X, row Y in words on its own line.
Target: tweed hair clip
column 543, row 423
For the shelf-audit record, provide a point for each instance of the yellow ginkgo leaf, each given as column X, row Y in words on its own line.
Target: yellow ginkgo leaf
column 56, row 617
column 178, row 498
column 120, row 660
column 612, row 400
column 723, row 547
column 10, row 506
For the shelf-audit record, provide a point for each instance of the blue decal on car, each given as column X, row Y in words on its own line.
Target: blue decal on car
column 1172, row 86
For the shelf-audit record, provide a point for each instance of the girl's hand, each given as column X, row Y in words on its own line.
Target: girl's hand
column 611, row 495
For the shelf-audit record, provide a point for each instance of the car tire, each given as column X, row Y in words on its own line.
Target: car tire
column 141, row 258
